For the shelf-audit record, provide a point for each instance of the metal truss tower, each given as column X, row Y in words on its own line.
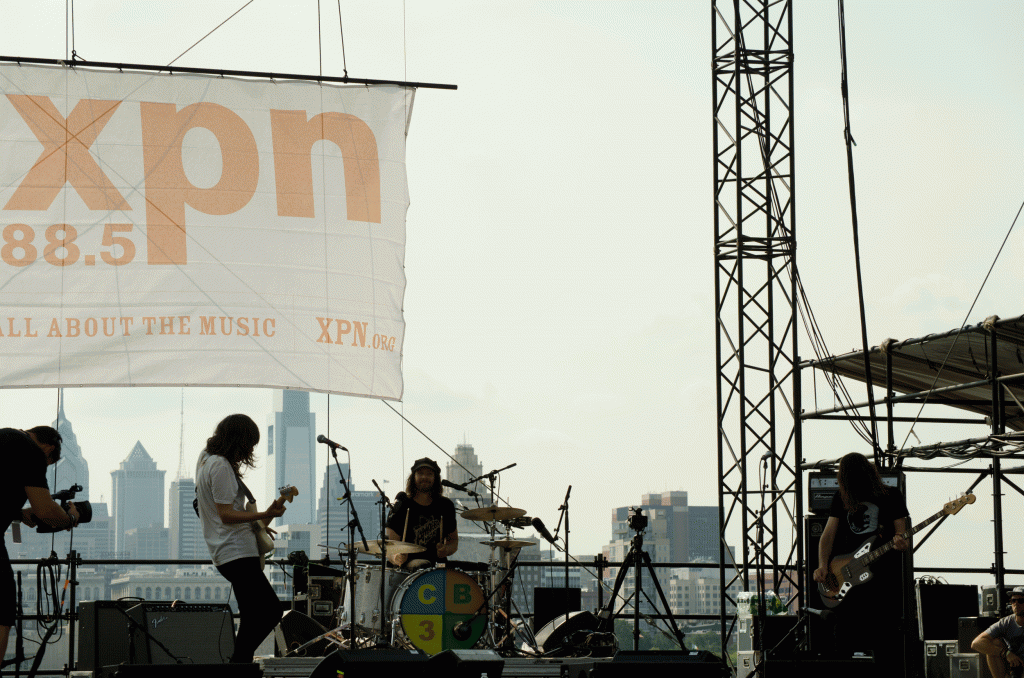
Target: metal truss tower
column 755, row 294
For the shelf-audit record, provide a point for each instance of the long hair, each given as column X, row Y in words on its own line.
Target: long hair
column 859, row 480
column 435, row 491
column 234, row 439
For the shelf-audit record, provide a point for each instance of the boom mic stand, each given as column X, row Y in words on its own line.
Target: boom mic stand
column 564, row 512
column 352, row 526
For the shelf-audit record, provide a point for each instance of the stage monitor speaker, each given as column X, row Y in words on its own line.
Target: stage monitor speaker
column 383, row 661
column 940, row 606
column 467, row 664
column 104, row 638
column 556, row 631
column 692, row 664
column 549, row 602
column 199, row 633
column 297, row 629
column 179, row 671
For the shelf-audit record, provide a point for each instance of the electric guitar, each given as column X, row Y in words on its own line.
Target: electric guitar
column 847, row 571
column 264, row 542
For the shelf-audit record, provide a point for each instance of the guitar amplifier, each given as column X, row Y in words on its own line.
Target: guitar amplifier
column 204, row 633
column 200, row 633
column 821, row 487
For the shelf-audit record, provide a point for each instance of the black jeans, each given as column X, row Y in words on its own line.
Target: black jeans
column 259, row 609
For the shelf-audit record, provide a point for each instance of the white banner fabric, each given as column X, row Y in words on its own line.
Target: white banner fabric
column 193, row 230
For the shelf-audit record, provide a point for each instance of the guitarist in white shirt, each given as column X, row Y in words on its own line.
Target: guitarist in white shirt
column 228, row 529
column 868, row 618
column 1003, row 642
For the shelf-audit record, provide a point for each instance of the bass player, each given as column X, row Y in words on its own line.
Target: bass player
column 864, row 508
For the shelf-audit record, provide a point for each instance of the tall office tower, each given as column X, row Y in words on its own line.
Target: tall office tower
column 138, row 489
column 146, row 543
column 72, row 468
column 333, row 514
column 464, row 467
column 186, row 534
column 291, row 455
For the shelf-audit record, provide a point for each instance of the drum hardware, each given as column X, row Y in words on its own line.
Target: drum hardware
column 491, row 514
column 373, row 547
column 508, row 544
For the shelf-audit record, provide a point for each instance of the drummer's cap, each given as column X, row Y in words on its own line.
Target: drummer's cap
column 429, row 463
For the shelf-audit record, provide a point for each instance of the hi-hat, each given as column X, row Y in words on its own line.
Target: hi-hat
column 492, row 513
column 508, row 543
column 392, row 546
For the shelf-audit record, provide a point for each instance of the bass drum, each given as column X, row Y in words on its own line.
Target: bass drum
column 430, row 603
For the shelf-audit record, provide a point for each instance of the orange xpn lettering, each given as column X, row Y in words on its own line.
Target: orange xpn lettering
column 65, row 157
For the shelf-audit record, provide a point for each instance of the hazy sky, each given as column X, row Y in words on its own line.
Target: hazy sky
column 560, row 301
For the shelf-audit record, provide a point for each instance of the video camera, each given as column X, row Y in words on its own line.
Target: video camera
column 65, row 496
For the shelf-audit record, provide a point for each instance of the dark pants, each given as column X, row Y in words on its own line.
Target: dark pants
column 259, row 609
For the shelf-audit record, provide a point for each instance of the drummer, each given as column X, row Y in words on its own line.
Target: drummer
column 424, row 517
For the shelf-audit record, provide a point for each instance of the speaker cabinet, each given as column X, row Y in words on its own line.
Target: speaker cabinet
column 554, row 633
column 468, row 663
column 549, row 602
column 940, row 607
column 384, row 661
column 295, row 630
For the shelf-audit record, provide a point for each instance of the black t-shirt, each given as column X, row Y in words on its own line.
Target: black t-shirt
column 24, row 466
column 872, row 518
column 425, row 524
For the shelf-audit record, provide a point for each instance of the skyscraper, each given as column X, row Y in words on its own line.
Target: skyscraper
column 72, row 468
column 466, row 466
column 333, row 514
column 138, row 488
column 291, row 455
column 186, row 537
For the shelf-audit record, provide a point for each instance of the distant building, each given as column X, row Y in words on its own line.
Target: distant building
column 333, row 513
column 184, row 530
column 676, row 533
column 291, row 454
column 72, row 468
column 203, row 584
column 138, row 488
column 146, row 543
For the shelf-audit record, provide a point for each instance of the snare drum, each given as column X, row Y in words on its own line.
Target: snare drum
column 430, row 604
column 368, row 603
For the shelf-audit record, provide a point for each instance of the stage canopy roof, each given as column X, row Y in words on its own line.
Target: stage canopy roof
column 954, row 367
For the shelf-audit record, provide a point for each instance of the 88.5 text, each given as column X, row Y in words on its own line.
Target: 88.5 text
column 61, row 248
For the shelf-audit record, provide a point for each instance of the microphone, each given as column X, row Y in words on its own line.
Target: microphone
column 327, row 441
column 456, row 486
column 539, row 526
column 461, row 631
column 382, row 495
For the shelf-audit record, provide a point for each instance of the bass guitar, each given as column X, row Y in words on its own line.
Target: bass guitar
column 847, row 571
column 264, row 542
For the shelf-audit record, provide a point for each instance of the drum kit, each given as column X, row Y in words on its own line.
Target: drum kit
column 433, row 608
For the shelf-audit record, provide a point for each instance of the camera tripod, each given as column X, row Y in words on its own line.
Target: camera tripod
column 638, row 559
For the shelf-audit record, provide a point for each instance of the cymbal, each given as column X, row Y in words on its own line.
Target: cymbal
column 509, row 543
column 492, row 513
column 391, row 545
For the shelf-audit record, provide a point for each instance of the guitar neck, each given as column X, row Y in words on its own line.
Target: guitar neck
column 891, row 544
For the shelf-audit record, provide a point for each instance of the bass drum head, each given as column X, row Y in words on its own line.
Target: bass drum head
column 431, row 603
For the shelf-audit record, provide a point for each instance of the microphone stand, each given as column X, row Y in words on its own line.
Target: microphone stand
column 383, row 558
column 564, row 512
column 353, row 525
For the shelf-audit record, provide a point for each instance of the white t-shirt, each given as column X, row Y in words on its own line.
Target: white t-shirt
column 216, row 483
